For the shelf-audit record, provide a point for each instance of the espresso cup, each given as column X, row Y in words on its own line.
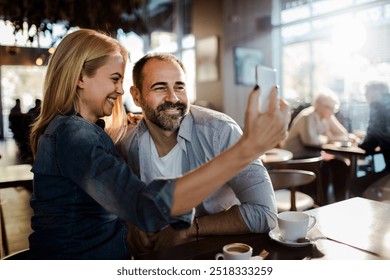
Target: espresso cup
column 294, row 225
column 235, row 251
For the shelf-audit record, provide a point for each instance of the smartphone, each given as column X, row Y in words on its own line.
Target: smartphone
column 266, row 79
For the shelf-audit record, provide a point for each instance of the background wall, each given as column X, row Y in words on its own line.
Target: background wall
column 244, row 23
column 207, row 21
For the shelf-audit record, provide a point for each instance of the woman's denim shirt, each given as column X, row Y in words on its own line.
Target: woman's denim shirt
column 84, row 193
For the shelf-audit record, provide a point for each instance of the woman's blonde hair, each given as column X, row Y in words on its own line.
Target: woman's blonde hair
column 81, row 52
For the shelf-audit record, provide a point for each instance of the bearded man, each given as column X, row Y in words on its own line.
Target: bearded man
column 174, row 138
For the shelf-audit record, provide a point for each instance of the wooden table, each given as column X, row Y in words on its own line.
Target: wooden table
column 276, row 155
column 359, row 223
column 13, row 176
column 355, row 185
column 16, row 175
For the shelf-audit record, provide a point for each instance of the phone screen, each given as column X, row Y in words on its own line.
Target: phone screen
column 266, row 79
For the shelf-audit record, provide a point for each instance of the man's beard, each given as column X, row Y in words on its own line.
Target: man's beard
column 163, row 120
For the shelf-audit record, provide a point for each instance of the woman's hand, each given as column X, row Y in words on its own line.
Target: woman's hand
column 133, row 119
column 138, row 241
column 168, row 237
column 143, row 243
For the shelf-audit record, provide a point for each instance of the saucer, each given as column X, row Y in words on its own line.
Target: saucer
column 275, row 235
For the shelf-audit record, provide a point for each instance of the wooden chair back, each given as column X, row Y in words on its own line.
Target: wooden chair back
column 292, row 179
column 313, row 164
column 379, row 190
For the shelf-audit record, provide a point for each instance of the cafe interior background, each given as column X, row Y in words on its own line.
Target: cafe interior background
column 340, row 44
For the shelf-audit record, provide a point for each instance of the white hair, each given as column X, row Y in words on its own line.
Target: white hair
column 326, row 96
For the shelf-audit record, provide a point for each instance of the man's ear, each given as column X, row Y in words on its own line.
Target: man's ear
column 135, row 93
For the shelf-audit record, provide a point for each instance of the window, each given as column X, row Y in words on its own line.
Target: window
column 168, row 30
column 23, row 82
column 339, row 44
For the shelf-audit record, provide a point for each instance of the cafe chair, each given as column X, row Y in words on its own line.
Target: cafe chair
column 285, row 183
column 379, row 190
column 4, row 241
column 20, row 255
column 312, row 164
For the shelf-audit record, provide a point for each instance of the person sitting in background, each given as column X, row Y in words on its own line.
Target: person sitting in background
column 19, row 123
column 317, row 125
column 174, row 138
column 34, row 111
column 16, row 109
column 84, row 192
column 14, row 118
column 378, row 130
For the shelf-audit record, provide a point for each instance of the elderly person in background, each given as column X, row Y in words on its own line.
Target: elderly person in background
column 317, row 125
column 378, row 130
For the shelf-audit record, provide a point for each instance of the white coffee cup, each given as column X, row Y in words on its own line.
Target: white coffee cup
column 345, row 144
column 235, row 251
column 294, row 225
